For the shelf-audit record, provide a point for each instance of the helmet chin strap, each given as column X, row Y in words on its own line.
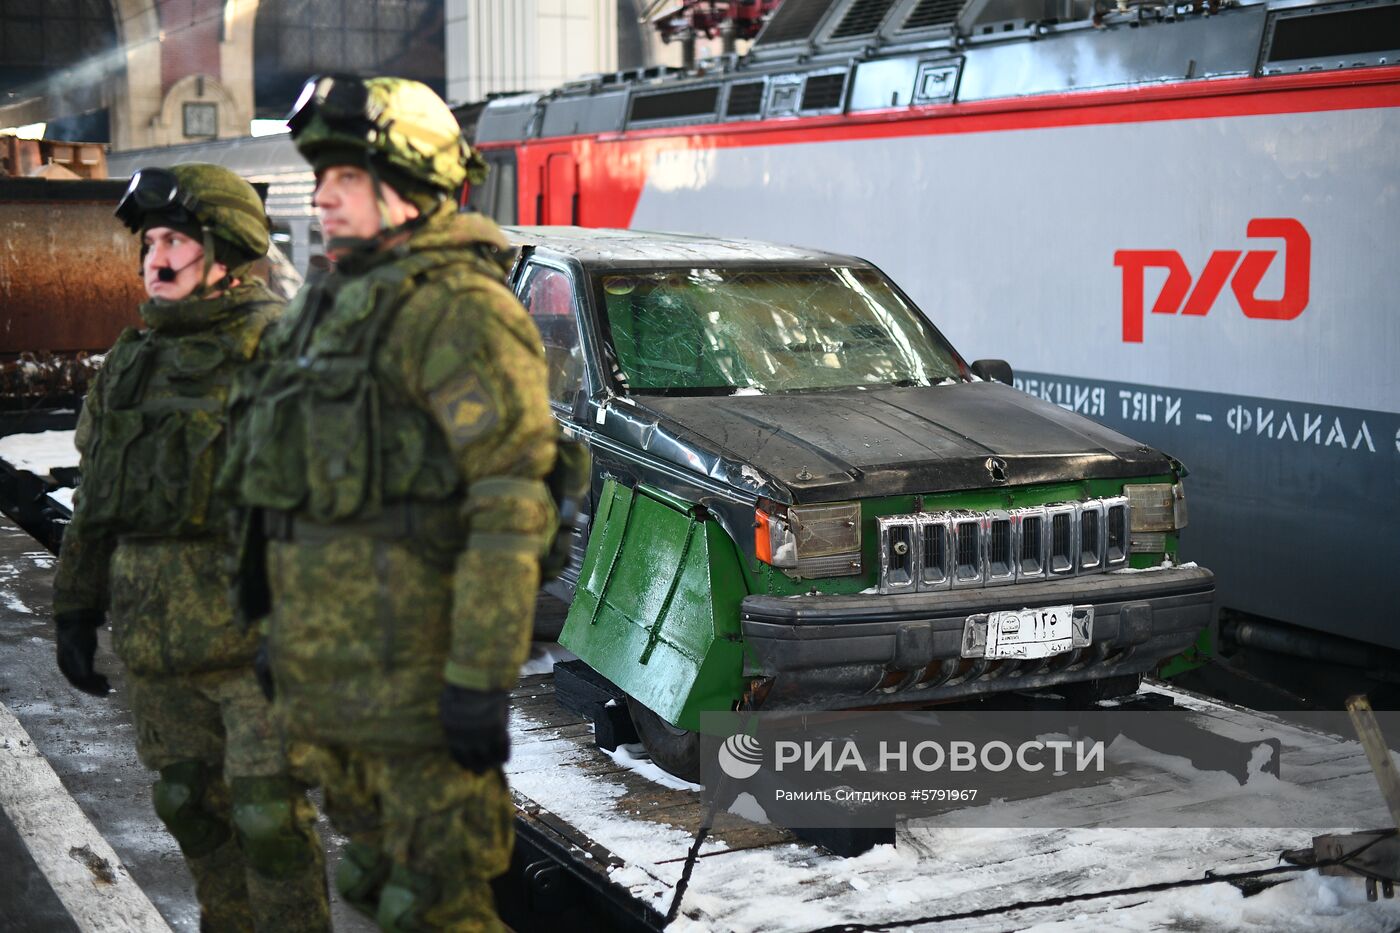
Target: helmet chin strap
column 204, row 289
column 379, row 201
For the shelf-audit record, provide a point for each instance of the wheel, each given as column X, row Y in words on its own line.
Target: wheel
column 1085, row 693
column 672, row 749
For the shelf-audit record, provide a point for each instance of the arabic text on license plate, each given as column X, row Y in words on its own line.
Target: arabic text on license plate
column 1030, row 633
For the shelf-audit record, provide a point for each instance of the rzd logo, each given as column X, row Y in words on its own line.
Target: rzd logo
column 1175, row 299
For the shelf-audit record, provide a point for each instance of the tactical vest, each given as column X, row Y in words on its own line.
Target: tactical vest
column 157, row 427
column 320, row 434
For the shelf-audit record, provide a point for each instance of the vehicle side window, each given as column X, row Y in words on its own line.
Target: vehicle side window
column 548, row 295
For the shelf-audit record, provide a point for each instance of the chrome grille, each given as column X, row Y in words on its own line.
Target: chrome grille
column 1030, row 542
column 999, row 566
column 936, row 550
column 899, row 555
column 1062, row 544
column 1116, row 528
column 967, row 564
column 1091, row 539
column 934, row 554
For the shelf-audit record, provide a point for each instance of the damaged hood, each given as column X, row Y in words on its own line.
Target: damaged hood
column 829, row 446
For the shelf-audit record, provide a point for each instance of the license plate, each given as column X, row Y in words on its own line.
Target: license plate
column 1028, row 633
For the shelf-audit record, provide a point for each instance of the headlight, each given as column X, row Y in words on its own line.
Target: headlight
column 773, row 539
column 1156, row 508
column 810, row 541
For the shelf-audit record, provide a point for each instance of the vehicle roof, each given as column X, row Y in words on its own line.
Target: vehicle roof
column 610, row 246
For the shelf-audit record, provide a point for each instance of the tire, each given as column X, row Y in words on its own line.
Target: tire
column 1085, row 693
column 672, row 749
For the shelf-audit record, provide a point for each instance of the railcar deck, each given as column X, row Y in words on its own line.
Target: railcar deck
column 619, row 839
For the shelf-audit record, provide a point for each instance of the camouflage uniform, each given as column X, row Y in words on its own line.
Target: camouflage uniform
column 396, row 444
column 148, row 547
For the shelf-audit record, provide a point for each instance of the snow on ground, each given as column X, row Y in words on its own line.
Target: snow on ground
column 543, row 657
column 39, row 452
column 935, row 872
column 1305, row 903
column 553, row 774
column 938, row 869
column 63, row 497
column 9, row 573
column 14, row 603
column 634, row 758
column 1021, row 867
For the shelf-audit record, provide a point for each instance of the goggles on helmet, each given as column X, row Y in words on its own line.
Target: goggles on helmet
column 339, row 99
column 152, row 190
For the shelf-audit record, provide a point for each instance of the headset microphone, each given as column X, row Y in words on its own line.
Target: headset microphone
column 167, row 274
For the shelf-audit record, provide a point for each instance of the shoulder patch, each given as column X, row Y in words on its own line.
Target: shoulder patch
column 465, row 409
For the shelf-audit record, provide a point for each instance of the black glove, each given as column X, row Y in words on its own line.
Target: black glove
column 475, row 723
column 77, row 643
column 262, row 670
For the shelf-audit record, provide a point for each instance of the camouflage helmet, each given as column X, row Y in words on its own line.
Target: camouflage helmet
column 393, row 124
column 203, row 196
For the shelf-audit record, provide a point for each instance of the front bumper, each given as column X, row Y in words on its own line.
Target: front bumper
column 865, row 650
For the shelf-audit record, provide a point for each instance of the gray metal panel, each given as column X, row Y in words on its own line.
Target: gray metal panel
column 1068, row 56
column 1323, row 63
column 860, row 20
column 937, row 81
column 784, row 95
column 899, row 22
column 1226, row 44
column 886, row 83
column 249, row 156
column 710, row 115
column 795, row 21
column 507, row 119
column 757, row 104
column 598, row 113
column 806, row 106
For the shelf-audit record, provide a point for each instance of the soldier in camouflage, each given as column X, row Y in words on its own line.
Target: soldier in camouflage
column 394, row 448
column 149, row 547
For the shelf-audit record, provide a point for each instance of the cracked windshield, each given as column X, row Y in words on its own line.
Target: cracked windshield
column 729, row 331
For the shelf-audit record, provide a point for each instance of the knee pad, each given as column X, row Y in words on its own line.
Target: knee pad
column 265, row 818
column 360, row 876
column 405, row 898
column 181, row 802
